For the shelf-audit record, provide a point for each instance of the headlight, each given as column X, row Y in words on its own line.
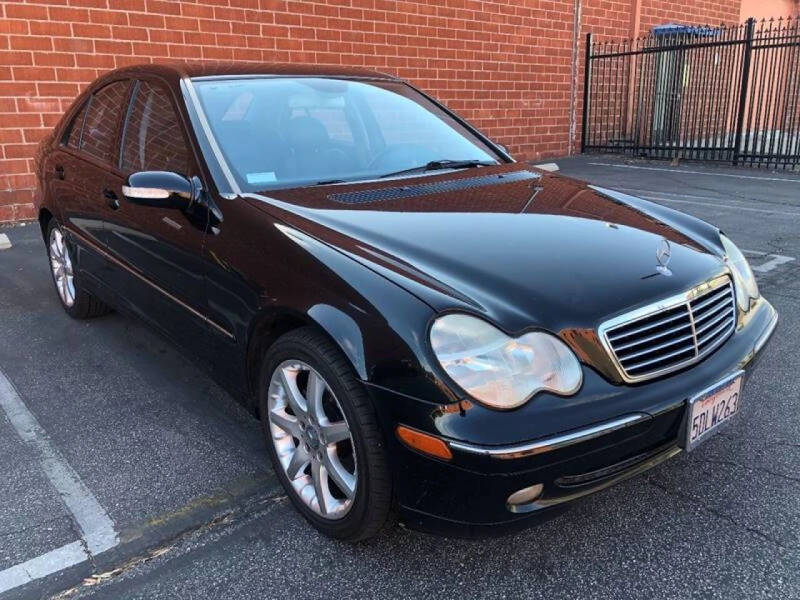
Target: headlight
column 501, row 371
column 746, row 286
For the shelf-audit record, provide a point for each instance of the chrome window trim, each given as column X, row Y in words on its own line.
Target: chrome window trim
column 289, row 75
column 209, row 135
column 551, row 443
column 660, row 306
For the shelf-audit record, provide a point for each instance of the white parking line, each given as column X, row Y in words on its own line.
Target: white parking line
column 776, row 261
column 96, row 526
column 45, row 564
column 725, row 206
column 678, row 194
column 686, row 171
column 659, row 196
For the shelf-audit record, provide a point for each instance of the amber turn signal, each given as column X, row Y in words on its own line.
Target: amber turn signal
column 423, row 442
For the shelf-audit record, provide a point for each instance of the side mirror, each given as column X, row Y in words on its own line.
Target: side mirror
column 160, row 189
column 503, row 148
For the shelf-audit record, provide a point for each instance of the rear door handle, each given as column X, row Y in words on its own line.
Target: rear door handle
column 111, row 198
column 59, row 171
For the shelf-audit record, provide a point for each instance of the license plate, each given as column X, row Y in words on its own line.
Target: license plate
column 710, row 409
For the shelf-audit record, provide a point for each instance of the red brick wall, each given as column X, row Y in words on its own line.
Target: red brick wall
column 705, row 12
column 505, row 65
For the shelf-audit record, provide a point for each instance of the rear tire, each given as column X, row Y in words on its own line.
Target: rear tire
column 294, row 360
column 77, row 302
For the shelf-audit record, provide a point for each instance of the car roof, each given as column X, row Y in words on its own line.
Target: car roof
column 176, row 71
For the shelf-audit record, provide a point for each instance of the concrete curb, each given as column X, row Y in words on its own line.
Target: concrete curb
column 237, row 499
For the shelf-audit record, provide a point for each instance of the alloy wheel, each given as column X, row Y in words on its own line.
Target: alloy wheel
column 61, row 265
column 312, row 439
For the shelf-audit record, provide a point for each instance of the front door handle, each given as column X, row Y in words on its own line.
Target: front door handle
column 59, row 171
column 111, row 198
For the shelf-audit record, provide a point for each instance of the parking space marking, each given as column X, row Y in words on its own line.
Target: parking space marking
column 688, row 172
column 44, row 564
column 725, row 206
column 679, row 194
column 94, row 523
column 660, row 196
column 775, row 260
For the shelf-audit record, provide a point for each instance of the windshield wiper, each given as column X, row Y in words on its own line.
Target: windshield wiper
column 328, row 182
column 438, row 165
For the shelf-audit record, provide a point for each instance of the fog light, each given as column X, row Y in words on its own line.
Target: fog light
column 520, row 500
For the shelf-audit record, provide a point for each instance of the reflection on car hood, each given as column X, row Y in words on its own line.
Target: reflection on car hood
column 522, row 247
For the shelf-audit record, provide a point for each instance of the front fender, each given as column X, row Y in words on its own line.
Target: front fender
column 345, row 331
column 379, row 326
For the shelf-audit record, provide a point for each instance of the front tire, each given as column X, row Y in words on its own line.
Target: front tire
column 77, row 302
column 323, row 438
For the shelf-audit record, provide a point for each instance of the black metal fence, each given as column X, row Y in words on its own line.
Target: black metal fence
column 707, row 93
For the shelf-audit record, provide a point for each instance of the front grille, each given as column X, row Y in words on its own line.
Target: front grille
column 670, row 335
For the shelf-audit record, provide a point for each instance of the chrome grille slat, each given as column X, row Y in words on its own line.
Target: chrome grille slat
column 717, row 342
column 713, row 311
column 712, row 322
column 673, row 333
column 710, row 336
column 710, row 299
column 646, row 327
column 652, row 337
column 654, row 348
column 663, row 357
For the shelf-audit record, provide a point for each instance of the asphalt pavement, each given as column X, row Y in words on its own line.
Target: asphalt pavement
column 108, row 413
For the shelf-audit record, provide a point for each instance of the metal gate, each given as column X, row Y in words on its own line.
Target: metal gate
column 705, row 93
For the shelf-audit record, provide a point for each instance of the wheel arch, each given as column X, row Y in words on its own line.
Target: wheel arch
column 45, row 216
column 269, row 325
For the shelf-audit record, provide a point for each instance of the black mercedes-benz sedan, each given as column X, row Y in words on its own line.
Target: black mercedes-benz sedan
column 428, row 330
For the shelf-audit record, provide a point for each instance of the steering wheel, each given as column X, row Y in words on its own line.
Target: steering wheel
column 336, row 154
column 401, row 156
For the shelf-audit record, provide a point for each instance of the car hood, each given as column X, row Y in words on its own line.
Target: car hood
column 523, row 248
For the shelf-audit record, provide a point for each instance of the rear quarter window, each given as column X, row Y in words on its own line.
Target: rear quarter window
column 72, row 136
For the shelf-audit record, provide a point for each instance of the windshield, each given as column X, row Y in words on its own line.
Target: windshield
column 289, row 132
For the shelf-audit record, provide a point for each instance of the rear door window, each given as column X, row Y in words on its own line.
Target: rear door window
column 153, row 137
column 102, row 120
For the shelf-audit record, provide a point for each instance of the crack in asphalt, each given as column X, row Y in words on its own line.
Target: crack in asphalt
column 733, row 463
column 788, row 444
column 720, row 515
column 224, row 519
column 88, row 553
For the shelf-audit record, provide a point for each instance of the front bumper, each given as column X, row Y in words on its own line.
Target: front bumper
column 467, row 495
